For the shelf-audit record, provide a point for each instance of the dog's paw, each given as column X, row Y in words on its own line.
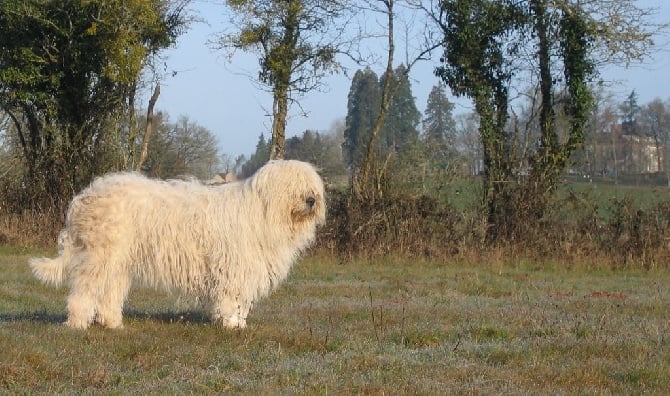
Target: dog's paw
column 234, row 322
column 110, row 324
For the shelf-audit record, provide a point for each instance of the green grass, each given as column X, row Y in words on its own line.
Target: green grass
column 384, row 327
column 603, row 194
column 466, row 194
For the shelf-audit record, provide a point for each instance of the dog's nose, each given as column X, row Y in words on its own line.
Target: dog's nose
column 310, row 201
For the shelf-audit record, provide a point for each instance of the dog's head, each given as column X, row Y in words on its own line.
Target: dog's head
column 293, row 192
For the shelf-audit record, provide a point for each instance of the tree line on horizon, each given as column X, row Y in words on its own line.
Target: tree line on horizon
column 446, row 144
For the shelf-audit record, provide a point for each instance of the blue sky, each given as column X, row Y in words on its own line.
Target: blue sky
column 218, row 94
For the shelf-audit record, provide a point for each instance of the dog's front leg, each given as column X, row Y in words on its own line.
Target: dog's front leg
column 230, row 312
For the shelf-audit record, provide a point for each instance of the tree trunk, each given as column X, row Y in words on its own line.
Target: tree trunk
column 500, row 207
column 280, row 111
column 545, row 167
column 149, row 128
column 132, row 130
column 280, row 73
column 614, row 156
column 363, row 181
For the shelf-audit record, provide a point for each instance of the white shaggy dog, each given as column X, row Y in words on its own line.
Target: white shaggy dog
column 228, row 245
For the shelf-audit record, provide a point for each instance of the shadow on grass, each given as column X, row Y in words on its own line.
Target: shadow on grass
column 35, row 317
column 194, row 317
column 186, row 317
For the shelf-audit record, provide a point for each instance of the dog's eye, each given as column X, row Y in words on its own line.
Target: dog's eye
column 310, row 201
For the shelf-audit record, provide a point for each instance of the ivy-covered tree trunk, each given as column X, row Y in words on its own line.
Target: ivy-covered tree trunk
column 483, row 38
column 553, row 156
column 498, row 184
column 545, row 165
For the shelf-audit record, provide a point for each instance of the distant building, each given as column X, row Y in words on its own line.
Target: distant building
column 643, row 153
column 631, row 154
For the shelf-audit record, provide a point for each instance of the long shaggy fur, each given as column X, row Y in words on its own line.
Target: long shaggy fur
column 229, row 245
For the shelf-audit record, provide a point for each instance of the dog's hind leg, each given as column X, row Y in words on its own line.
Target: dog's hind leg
column 98, row 289
column 81, row 305
column 111, row 298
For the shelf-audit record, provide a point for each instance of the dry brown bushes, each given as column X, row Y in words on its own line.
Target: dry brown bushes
column 575, row 230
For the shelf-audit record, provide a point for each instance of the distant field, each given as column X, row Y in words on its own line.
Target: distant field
column 644, row 194
column 386, row 327
column 465, row 195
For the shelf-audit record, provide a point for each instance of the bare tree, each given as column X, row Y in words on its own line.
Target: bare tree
column 363, row 182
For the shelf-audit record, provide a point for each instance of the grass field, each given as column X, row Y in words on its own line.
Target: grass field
column 384, row 327
column 465, row 195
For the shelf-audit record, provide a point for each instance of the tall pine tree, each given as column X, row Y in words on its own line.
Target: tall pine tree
column 400, row 132
column 258, row 158
column 362, row 110
column 439, row 139
column 630, row 111
column 439, row 127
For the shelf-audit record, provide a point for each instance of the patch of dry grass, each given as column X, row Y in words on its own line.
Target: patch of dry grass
column 383, row 327
column 29, row 229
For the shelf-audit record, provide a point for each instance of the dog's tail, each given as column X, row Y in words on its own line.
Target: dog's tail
column 49, row 271
column 52, row 271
